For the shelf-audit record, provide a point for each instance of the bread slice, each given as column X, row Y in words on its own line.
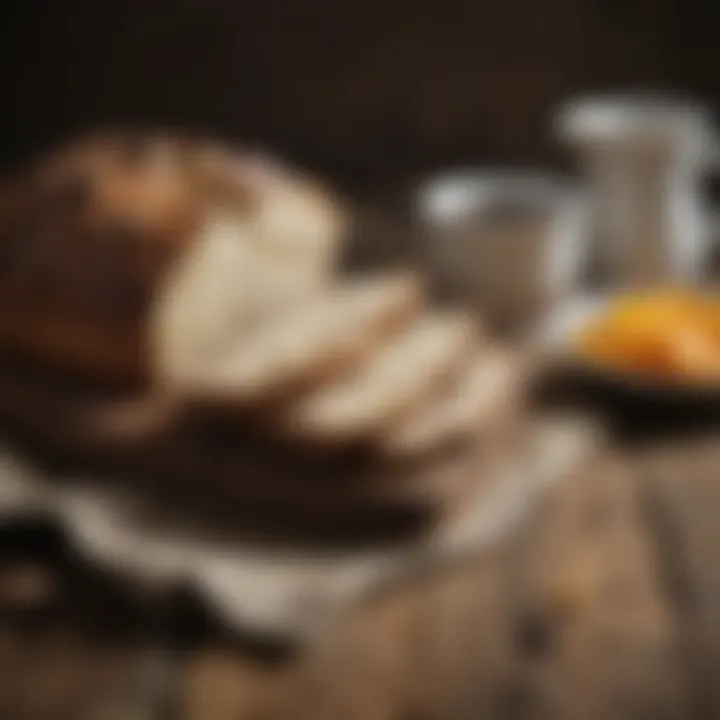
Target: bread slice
column 303, row 225
column 465, row 409
column 244, row 264
column 298, row 221
column 305, row 344
column 227, row 283
column 389, row 385
column 209, row 298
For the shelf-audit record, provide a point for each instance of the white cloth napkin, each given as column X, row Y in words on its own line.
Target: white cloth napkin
column 290, row 593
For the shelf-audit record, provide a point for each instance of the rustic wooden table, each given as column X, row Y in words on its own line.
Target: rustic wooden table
column 575, row 619
column 604, row 607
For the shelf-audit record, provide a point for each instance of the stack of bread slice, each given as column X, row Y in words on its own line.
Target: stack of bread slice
column 189, row 298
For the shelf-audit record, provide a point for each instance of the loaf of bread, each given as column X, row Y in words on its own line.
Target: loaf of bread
column 210, row 276
column 91, row 238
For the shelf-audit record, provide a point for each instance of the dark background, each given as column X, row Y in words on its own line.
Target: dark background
column 365, row 91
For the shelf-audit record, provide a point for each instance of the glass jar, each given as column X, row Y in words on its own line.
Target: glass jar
column 511, row 244
column 643, row 159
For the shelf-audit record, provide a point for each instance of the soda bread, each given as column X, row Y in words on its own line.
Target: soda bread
column 209, row 276
column 90, row 236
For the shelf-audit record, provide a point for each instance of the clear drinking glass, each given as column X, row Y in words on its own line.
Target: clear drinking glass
column 510, row 243
column 643, row 159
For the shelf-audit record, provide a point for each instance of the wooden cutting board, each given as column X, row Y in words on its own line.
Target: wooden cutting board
column 221, row 470
column 286, row 589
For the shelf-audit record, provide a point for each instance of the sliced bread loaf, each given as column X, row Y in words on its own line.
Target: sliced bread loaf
column 99, row 241
column 306, row 344
column 464, row 410
column 390, row 384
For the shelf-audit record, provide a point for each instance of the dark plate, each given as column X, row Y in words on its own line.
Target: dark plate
column 629, row 397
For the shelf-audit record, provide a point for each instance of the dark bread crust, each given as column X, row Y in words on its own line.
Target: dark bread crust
column 86, row 237
column 89, row 235
column 250, row 486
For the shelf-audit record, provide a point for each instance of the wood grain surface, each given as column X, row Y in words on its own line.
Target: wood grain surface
column 604, row 607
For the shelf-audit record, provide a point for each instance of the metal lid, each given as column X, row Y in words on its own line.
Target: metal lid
column 473, row 193
column 611, row 117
